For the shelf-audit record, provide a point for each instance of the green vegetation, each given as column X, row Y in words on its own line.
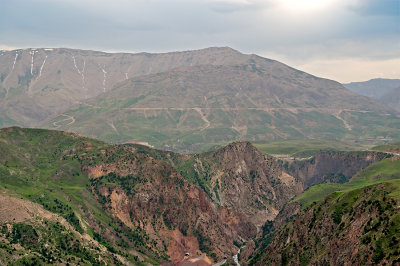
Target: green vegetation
column 338, row 209
column 303, row 148
column 30, row 165
column 168, row 119
column 387, row 170
column 46, row 167
column 394, row 147
column 82, row 179
column 368, row 212
column 49, row 243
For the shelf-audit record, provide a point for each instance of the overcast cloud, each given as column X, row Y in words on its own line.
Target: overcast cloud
column 329, row 38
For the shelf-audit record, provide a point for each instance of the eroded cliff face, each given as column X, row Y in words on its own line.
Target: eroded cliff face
column 241, row 178
column 177, row 216
column 332, row 167
column 326, row 167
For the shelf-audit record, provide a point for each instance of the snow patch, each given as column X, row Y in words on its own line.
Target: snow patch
column 104, row 78
column 32, row 53
column 15, row 60
column 41, row 67
column 82, row 73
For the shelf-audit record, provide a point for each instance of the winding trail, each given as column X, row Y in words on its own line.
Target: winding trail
column 203, row 117
column 345, row 123
column 111, row 124
column 220, row 263
column 294, row 109
column 68, row 117
column 90, row 105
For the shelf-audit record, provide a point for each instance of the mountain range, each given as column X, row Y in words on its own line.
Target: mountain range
column 386, row 91
column 184, row 101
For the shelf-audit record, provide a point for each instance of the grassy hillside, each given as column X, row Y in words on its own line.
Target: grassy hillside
column 42, row 166
column 36, row 84
column 393, row 148
column 378, row 172
column 126, row 203
column 184, row 101
column 354, row 222
column 192, row 108
column 304, row 147
column 357, row 226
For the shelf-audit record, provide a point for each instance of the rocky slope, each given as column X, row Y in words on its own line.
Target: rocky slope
column 350, row 223
column 352, row 228
column 177, row 215
column 241, row 178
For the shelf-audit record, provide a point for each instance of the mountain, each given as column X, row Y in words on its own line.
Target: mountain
column 36, row 84
column 374, row 88
column 386, row 91
column 392, row 98
column 184, row 101
column 128, row 203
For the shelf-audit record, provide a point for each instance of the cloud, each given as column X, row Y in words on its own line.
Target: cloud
column 320, row 30
column 353, row 69
column 377, row 7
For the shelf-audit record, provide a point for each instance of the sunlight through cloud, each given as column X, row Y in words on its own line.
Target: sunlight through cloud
column 306, row 5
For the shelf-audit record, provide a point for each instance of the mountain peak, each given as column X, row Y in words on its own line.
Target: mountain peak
column 238, row 151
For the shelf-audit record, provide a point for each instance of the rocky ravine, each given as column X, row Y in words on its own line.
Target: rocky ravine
column 177, row 215
column 237, row 190
column 144, row 203
column 240, row 177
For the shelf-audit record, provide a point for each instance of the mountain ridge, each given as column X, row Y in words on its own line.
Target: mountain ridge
column 68, row 90
column 386, row 91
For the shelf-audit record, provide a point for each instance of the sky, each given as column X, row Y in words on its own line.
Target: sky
column 344, row 40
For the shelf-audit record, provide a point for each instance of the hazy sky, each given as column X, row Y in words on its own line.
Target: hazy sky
column 345, row 40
